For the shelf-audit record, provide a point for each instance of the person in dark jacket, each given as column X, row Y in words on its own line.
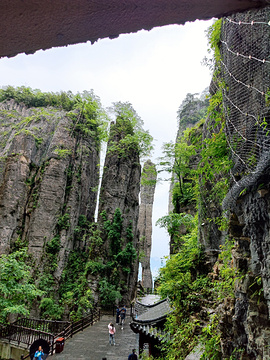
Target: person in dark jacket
column 123, row 316
column 133, row 356
column 117, row 315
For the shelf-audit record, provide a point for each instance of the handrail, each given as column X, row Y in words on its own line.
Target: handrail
column 51, row 326
column 71, row 329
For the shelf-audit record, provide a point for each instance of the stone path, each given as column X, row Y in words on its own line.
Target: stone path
column 93, row 342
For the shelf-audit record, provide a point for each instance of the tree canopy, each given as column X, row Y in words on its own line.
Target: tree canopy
column 17, row 290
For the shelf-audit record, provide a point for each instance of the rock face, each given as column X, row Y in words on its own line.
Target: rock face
column 189, row 113
column 247, row 127
column 28, row 27
column 249, row 315
column 210, row 235
column 47, row 176
column 120, row 189
column 149, row 177
column 244, row 69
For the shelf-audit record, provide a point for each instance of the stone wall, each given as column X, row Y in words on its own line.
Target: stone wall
column 9, row 351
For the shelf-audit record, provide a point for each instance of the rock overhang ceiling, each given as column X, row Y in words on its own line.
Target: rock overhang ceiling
column 28, row 26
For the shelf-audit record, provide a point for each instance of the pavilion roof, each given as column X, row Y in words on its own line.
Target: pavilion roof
column 152, row 314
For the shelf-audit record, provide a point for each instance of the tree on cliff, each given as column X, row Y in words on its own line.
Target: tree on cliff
column 130, row 131
column 17, row 291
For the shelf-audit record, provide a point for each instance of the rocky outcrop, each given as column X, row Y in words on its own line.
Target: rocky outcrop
column 148, row 184
column 120, row 189
column 191, row 110
column 48, row 173
column 210, row 208
column 246, row 323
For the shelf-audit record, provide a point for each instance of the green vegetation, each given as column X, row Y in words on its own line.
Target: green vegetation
column 192, row 110
column 17, row 290
column 62, row 153
column 199, row 165
column 93, row 261
column 84, row 109
column 88, row 259
column 121, row 255
column 149, row 175
column 176, row 160
column 36, row 98
column 74, row 291
column 127, row 134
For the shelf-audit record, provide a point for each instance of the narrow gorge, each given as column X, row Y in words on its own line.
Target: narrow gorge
column 75, row 236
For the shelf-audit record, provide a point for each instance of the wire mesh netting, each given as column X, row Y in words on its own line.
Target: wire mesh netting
column 245, row 67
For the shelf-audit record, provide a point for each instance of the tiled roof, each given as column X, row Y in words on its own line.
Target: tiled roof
column 151, row 313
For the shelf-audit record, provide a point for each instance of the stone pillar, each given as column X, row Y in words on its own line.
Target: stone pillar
column 148, row 184
column 120, row 190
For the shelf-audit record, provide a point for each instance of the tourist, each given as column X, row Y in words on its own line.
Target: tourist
column 123, row 316
column 117, row 315
column 133, row 356
column 111, row 333
column 39, row 353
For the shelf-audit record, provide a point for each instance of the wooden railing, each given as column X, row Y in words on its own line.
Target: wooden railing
column 25, row 335
column 22, row 335
column 49, row 326
column 79, row 325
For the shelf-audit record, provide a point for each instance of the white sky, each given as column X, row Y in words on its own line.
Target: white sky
column 153, row 70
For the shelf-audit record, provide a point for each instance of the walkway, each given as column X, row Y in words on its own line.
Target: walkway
column 93, row 342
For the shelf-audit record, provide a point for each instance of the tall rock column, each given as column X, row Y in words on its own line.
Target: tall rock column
column 47, row 175
column 120, row 191
column 148, row 184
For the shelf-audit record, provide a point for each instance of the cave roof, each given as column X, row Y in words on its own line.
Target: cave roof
column 28, row 26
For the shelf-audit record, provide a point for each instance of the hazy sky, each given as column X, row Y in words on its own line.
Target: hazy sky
column 153, row 70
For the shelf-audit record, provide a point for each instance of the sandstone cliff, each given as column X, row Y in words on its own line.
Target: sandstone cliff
column 233, row 191
column 49, row 179
column 120, row 189
column 247, row 128
column 48, row 173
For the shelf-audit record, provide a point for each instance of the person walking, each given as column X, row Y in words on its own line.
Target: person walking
column 123, row 316
column 111, row 334
column 117, row 315
column 133, row 356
